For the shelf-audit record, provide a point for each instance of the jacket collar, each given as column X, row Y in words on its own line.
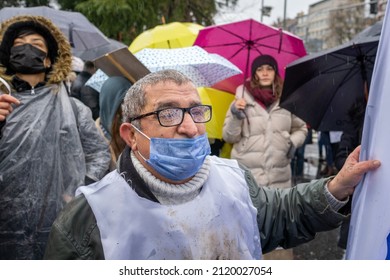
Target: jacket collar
column 128, row 172
column 21, row 85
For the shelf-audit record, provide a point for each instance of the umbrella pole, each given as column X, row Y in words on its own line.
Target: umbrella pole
column 243, row 86
column 280, row 40
column 246, row 69
column 361, row 59
column 71, row 35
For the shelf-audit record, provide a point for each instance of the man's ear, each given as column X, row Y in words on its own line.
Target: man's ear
column 127, row 133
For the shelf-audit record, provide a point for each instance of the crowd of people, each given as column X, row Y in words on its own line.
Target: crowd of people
column 126, row 173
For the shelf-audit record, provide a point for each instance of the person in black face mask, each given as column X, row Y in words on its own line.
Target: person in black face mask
column 29, row 58
column 49, row 144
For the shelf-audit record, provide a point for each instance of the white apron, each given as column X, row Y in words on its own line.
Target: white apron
column 220, row 223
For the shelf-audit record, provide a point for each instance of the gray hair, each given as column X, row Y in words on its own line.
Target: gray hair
column 135, row 101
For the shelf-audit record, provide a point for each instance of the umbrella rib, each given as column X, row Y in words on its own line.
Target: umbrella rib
column 343, row 61
column 359, row 60
column 71, row 42
column 275, row 48
column 224, row 45
column 243, row 40
column 266, row 37
column 280, row 39
column 234, row 34
column 248, row 47
column 363, row 68
column 345, row 79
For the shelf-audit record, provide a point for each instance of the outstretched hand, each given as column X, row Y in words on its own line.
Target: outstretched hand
column 343, row 185
column 6, row 102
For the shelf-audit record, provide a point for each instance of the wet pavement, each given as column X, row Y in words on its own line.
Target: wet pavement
column 324, row 246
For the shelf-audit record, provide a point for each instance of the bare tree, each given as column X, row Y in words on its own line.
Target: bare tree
column 345, row 22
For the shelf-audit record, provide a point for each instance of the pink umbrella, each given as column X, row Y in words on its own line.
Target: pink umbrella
column 241, row 42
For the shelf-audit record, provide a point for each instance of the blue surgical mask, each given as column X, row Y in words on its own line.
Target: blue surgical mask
column 177, row 159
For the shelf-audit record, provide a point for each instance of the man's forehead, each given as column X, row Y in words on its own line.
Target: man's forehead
column 170, row 87
column 171, row 94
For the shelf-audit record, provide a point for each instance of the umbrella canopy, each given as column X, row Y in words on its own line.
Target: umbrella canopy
column 320, row 88
column 77, row 64
column 81, row 33
column 97, row 80
column 167, row 36
column 220, row 101
column 94, row 53
column 241, row 42
column 371, row 31
column 203, row 68
column 122, row 63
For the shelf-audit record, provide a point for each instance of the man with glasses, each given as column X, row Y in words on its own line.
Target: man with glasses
column 168, row 199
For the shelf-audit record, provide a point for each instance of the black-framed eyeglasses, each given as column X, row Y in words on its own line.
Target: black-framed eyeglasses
column 174, row 116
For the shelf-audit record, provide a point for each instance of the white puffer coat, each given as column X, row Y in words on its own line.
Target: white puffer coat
column 265, row 141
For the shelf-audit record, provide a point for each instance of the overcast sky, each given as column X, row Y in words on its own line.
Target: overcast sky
column 251, row 9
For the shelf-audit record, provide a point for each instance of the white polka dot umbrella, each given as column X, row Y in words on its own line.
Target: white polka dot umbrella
column 97, row 80
column 203, row 68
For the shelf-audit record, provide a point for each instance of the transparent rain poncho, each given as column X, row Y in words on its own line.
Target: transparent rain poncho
column 42, row 157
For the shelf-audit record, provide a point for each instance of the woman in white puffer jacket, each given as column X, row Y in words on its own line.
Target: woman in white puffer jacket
column 264, row 135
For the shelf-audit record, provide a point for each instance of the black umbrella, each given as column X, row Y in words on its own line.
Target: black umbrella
column 320, row 88
column 371, row 31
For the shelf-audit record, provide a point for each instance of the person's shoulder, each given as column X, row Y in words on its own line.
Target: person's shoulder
column 241, row 170
column 78, row 81
column 76, row 214
column 80, row 106
column 77, row 218
column 229, row 165
column 75, row 233
column 223, row 161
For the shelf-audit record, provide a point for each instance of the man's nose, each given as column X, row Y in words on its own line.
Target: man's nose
column 188, row 126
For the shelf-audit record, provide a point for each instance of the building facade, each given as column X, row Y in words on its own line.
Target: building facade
column 329, row 23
